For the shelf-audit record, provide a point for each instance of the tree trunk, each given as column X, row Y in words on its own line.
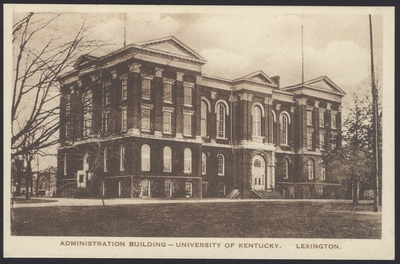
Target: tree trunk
column 355, row 183
column 28, row 178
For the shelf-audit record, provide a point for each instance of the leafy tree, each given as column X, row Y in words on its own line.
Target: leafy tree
column 353, row 162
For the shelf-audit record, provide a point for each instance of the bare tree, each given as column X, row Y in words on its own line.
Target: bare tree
column 40, row 56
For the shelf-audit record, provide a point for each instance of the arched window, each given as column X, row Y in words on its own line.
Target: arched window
column 167, row 159
column 257, row 121
column 323, row 171
column 87, row 112
column 284, row 130
column 285, row 169
column 221, row 164
column 187, row 161
column 145, row 158
column 203, row 163
column 203, row 123
column 221, row 112
column 122, row 158
column 310, row 169
column 105, row 160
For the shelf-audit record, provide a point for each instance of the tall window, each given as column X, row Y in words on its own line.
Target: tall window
column 310, row 169
column 168, row 92
column 321, row 119
column 188, row 96
column 122, row 158
column 203, row 116
column 106, row 121
column 65, row 164
column 167, row 159
column 168, row 188
column 146, row 89
column 188, row 189
column 322, row 140
column 87, row 113
column 167, row 116
column 203, row 163
column 124, row 94
column 187, row 124
column 333, row 141
column 284, row 130
column 333, row 121
column 221, row 165
column 309, row 118
column 256, row 121
column 124, row 120
column 310, row 139
column 67, row 104
column 285, row 169
column 221, row 120
column 187, row 160
column 145, row 158
column 107, row 94
column 145, row 123
column 67, row 130
column 322, row 170
column 145, row 188
column 105, row 160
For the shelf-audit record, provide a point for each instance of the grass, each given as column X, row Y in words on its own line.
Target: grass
column 244, row 219
column 20, row 200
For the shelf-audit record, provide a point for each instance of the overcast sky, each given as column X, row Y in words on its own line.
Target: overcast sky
column 239, row 41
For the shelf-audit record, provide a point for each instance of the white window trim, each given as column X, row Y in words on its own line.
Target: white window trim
column 122, row 88
column 121, row 158
column 184, row 160
column 150, row 108
column 321, row 111
column 171, row 82
column 124, row 109
column 170, row 123
column 286, row 165
column 286, row 114
column 170, row 159
column 223, row 165
column 150, row 78
column 225, row 118
column 205, row 164
column 189, row 113
column 190, row 86
column 142, row 158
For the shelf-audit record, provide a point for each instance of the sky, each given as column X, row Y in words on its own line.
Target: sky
column 239, row 41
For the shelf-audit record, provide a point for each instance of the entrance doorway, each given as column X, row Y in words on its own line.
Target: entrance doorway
column 258, row 173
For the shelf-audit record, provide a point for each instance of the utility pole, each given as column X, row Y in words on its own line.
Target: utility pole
column 124, row 30
column 375, row 124
column 302, row 56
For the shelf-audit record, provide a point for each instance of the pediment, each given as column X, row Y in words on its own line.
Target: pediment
column 259, row 76
column 173, row 46
column 84, row 59
column 324, row 83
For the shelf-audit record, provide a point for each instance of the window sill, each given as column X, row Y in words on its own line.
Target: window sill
column 187, row 105
column 221, row 175
column 145, row 130
column 167, row 133
column 168, row 102
column 222, row 138
column 146, row 98
column 185, row 135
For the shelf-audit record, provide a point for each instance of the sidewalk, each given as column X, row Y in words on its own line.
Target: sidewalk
column 124, row 201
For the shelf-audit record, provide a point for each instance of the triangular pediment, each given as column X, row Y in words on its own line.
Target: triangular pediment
column 173, row 46
column 324, row 83
column 84, row 59
column 260, row 77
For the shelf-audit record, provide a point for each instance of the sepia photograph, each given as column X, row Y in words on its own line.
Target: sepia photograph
column 199, row 132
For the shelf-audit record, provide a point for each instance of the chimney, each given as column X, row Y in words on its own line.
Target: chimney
column 276, row 79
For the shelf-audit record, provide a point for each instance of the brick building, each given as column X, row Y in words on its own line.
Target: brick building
column 144, row 121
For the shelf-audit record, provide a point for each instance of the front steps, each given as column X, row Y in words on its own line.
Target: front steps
column 234, row 194
column 263, row 194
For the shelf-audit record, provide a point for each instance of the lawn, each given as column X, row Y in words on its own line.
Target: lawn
column 242, row 219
